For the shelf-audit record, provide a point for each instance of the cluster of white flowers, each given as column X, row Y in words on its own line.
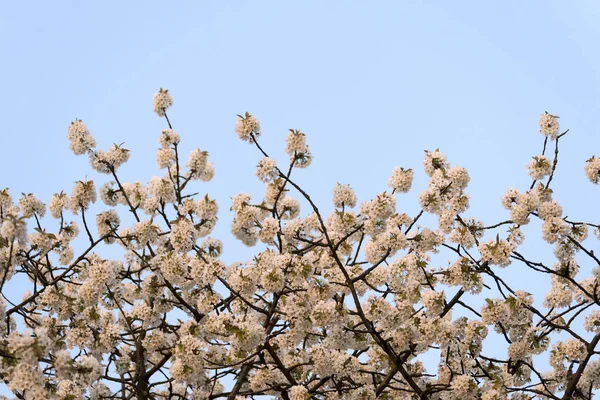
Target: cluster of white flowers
column 521, row 205
column 592, row 321
column 165, row 158
column 106, row 162
column 298, row 393
column 445, row 195
column 31, row 206
column 183, row 235
column 80, row 139
column 297, row 149
column 464, row 387
column 495, row 312
column 58, row 203
column 246, row 126
column 244, row 225
column 463, row 273
column 539, row 167
column 206, row 210
column 554, row 229
column 401, row 180
column 168, row 138
column 496, row 252
column 592, row 169
column 288, row 208
column 161, row 101
column 83, row 194
column 162, row 189
column 331, row 306
column 549, row 126
column 268, row 229
column 467, row 234
column 200, row 168
column 107, row 223
column 433, row 301
column 343, row 196
column 295, row 142
column 145, row 232
column 266, row 170
column 376, row 212
column 434, row 161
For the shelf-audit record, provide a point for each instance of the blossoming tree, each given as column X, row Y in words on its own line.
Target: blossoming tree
column 338, row 306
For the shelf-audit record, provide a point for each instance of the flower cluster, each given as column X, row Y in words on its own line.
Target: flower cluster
column 246, row 126
column 401, row 180
column 549, row 126
column 343, row 196
column 344, row 305
column 297, row 149
column 161, row 101
column 539, row 167
column 80, row 139
column 592, row 169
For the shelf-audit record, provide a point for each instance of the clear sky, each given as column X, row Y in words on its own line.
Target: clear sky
column 372, row 84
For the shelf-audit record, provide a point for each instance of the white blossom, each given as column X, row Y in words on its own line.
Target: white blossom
column 245, row 126
column 549, row 126
column 343, row 196
column 539, row 167
column 80, row 139
column 161, row 101
column 266, row 170
column 592, row 169
column 401, row 180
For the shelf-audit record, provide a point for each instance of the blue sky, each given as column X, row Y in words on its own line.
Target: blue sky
column 372, row 84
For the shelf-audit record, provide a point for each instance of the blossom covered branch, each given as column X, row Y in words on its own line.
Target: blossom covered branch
column 344, row 305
